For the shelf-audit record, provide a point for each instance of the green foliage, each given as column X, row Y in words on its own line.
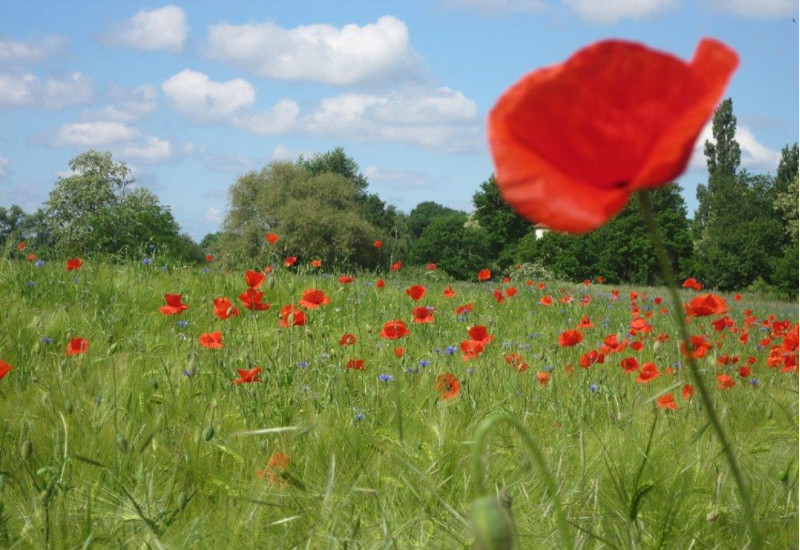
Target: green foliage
column 455, row 247
column 503, row 226
column 335, row 162
column 724, row 156
column 319, row 216
column 423, row 214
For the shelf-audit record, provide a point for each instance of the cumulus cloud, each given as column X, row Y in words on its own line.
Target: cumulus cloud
column 23, row 89
column 195, row 95
column 438, row 118
column 756, row 9
column 319, row 52
column 127, row 105
column 281, row 118
column 611, row 11
column 756, row 156
column 495, row 7
column 125, row 141
column 32, row 51
column 162, row 29
column 149, row 150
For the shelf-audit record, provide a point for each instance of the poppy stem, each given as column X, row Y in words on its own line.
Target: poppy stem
column 646, row 208
column 478, row 470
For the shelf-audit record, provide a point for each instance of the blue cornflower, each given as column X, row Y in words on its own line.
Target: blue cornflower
column 424, row 363
column 359, row 417
column 385, row 377
column 206, row 270
column 754, row 381
column 147, row 261
column 31, row 283
column 450, row 350
column 46, row 340
column 151, row 247
column 548, row 368
column 593, row 387
column 302, row 364
column 183, row 324
column 39, row 263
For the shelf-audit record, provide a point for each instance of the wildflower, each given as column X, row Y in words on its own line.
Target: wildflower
column 385, row 377
column 397, row 266
column 291, row 316
column 471, row 349
column 484, row 275
column 399, row 351
column 174, row 305
column 692, row 283
column 516, row 362
column 272, row 238
column 546, row 300
column 629, row 365
column 347, row 339
column 147, row 261
column 346, row 279
column 649, row 371
column 74, row 263
column 706, row 304
column 447, row 386
column 431, row 266
column 316, row 264
column 313, row 298
column 21, row 246
column 585, row 322
column 543, row 377
column 570, row 338
column 31, row 257
column 276, row 469
column 355, row 364
column 211, row 340
column 224, row 309
column 77, row 346
column 5, row 368
column 254, row 279
column 667, row 401
column 687, row 392
column 479, row 333
column 251, row 299
column 392, row 330
column 290, row 261
column 415, row 292
column 699, row 346
column 183, row 324
column 448, row 292
column 39, row 263
column 423, row 314
column 380, row 283
column 462, row 310
column 724, row 382
column 247, row 376
column 571, row 142
column 209, row 257
column 377, row 244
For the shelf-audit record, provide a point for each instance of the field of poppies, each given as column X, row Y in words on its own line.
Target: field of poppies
column 157, row 406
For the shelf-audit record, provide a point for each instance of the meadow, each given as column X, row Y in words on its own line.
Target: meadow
column 128, row 423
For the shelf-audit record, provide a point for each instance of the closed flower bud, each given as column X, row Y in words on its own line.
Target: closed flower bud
column 492, row 524
column 208, row 433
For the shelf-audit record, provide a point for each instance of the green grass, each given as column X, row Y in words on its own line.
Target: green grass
column 114, row 448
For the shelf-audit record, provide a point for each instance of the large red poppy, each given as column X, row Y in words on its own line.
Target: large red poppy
column 572, row 141
column 706, row 304
column 251, row 299
column 5, row 368
column 291, row 316
column 74, row 263
column 313, row 298
column 392, row 330
column 415, row 292
column 447, row 385
column 223, row 308
column 174, row 305
column 211, row 340
column 248, row 376
column 253, row 279
column 423, row 314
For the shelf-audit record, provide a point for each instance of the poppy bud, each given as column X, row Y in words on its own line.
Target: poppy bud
column 26, row 450
column 208, row 433
column 492, row 524
column 182, row 500
column 122, row 443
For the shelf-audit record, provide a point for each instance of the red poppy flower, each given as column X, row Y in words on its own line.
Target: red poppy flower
column 688, row 391
column 546, row 300
column 600, row 279
column 355, row 364
column 416, row 292
column 291, row 316
column 737, row 297
column 462, row 310
column 744, row 372
column 316, row 264
column 211, row 340
column 347, row 339
column 380, row 283
column 77, row 346
column 276, row 469
column 5, row 368
column 272, row 238
column 543, row 377
column 511, row 291
column 699, row 346
column 224, row 309
column 724, row 382
column 570, row 338
column 572, row 141
column 667, row 401
column 254, row 279
column 346, row 279
column 516, row 361
column 377, row 244
column 629, row 365
column 447, row 386
column 251, row 299
column 423, row 314
column 585, row 322
column 649, row 371
column 431, row 267
column 399, row 351
column 31, row 257
column 706, row 304
column 267, row 269
column 290, row 261
column 248, row 376
column 392, row 330
column 21, row 246
column 498, row 296
column 484, row 275
column 692, row 283
column 209, row 257
column 479, row 333
column 174, row 305
column 540, row 286
column 449, row 292
column 590, row 358
column 74, row 263
column 471, row 348
column 586, row 299
column 313, row 298
column 397, row 266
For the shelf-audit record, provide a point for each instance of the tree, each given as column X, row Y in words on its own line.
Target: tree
column 318, row 216
column 503, row 226
column 335, row 162
column 724, row 155
column 459, row 250
column 423, row 214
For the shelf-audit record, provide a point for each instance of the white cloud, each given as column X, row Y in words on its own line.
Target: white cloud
column 756, row 9
column 89, row 134
column 22, row 89
column 279, row 119
column 213, row 215
column 162, row 29
column 33, row 51
column 438, row 118
column 195, row 95
column 611, row 11
column 4, row 162
column 149, row 150
column 127, row 105
column 282, row 152
column 319, row 52
column 756, row 156
column 495, row 7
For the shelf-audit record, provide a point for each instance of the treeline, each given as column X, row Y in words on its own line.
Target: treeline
column 743, row 235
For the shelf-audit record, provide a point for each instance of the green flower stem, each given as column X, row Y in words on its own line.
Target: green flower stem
column 646, row 208
column 478, row 474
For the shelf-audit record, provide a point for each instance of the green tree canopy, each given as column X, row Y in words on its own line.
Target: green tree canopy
column 452, row 245
column 503, row 226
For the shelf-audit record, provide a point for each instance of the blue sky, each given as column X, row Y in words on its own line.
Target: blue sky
column 193, row 94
